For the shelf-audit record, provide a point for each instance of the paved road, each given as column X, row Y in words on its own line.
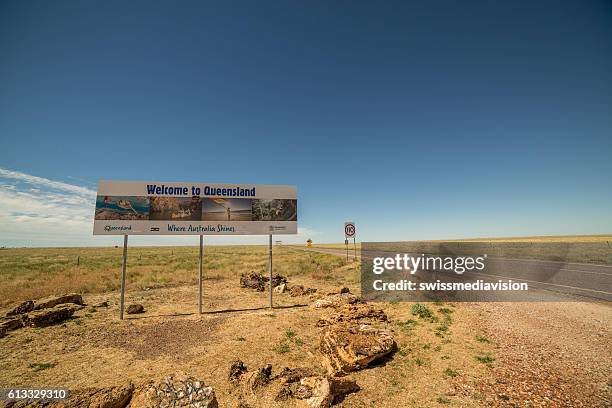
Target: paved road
column 554, row 281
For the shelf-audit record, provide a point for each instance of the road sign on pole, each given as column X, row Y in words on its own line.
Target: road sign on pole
column 349, row 232
column 349, row 229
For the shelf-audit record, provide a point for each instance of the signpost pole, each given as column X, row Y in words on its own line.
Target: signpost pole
column 270, row 267
column 354, row 249
column 346, row 243
column 200, row 276
column 125, row 242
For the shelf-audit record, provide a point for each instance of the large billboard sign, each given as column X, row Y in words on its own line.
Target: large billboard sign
column 162, row 208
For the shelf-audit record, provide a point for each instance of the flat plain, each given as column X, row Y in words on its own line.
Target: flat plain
column 470, row 355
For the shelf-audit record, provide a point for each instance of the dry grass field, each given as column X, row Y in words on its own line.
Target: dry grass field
column 596, row 249
column 462, row 355
column 30, row 273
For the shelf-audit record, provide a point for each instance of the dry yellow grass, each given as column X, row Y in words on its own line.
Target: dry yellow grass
column 30, row 273
column 97, row 349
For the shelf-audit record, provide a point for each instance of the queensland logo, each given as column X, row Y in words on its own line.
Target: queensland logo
column 117, row 228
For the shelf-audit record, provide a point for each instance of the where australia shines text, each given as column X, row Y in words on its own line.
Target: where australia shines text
column 195, row 191
column 200, row 228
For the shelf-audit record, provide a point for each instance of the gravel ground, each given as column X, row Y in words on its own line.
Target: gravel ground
column 548, row 354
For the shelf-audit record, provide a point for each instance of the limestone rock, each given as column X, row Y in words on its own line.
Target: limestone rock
column 135, row 308
column 351, row 348
column 299, row 290
column 174, row 392
column 109, row 397
column 323, row 391
column 289, row 375
column 290, row 379
column 277, row 279
column 361, row 313
column 58, row 300
column 282, row 288
column 13, row 323
column 336, row 300
column 237, row 370
column 253, row 280
column 22, row 308
column 47, row 317
column 259, row 282
column 260, row 378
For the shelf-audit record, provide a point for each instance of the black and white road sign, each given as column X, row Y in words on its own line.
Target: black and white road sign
column 349, row 229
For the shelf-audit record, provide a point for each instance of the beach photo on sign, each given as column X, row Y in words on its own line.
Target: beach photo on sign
column 226, row 209
column 176, row 208
column 275, row 210
column 121, row 208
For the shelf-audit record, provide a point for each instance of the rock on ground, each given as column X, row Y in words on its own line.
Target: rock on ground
column 260, row 377
column 282, row 288
column 14, row 323
column 236, row 371
column 324, row 391
column 303, row 383
column 299, row 290
column 135, row 308
column 174, row 392
column 336, row 300
column 109, row 397
column 58, row 300
column 361, row 313
column 22, row 308
column 290, row 380
column 351, row 348
column 259, row 282
column 48, row 317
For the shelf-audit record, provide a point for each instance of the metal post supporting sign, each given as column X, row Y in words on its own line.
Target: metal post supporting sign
column 200, row 276
column 125, row 242
column 346, row 244
column 270, row 268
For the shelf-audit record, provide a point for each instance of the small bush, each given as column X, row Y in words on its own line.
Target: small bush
column 485, row 359
column 420, row 361
column 443, row 400
column 483, row 339
column 441, row 330
column 419, row 309
column 41, row 366
column 281, row 348
column 406, row 325
column 450, row 372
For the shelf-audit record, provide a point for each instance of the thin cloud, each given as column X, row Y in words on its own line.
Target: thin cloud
column 44, row 182
column 37, row 211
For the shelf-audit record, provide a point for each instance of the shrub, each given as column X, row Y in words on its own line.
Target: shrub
column 419, row 309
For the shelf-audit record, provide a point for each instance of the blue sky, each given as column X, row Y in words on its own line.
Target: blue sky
column 417, row 120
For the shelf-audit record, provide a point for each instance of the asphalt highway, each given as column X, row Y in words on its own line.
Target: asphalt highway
column 550, row 280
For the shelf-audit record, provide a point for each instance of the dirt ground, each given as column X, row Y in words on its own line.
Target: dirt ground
column 553, row 355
